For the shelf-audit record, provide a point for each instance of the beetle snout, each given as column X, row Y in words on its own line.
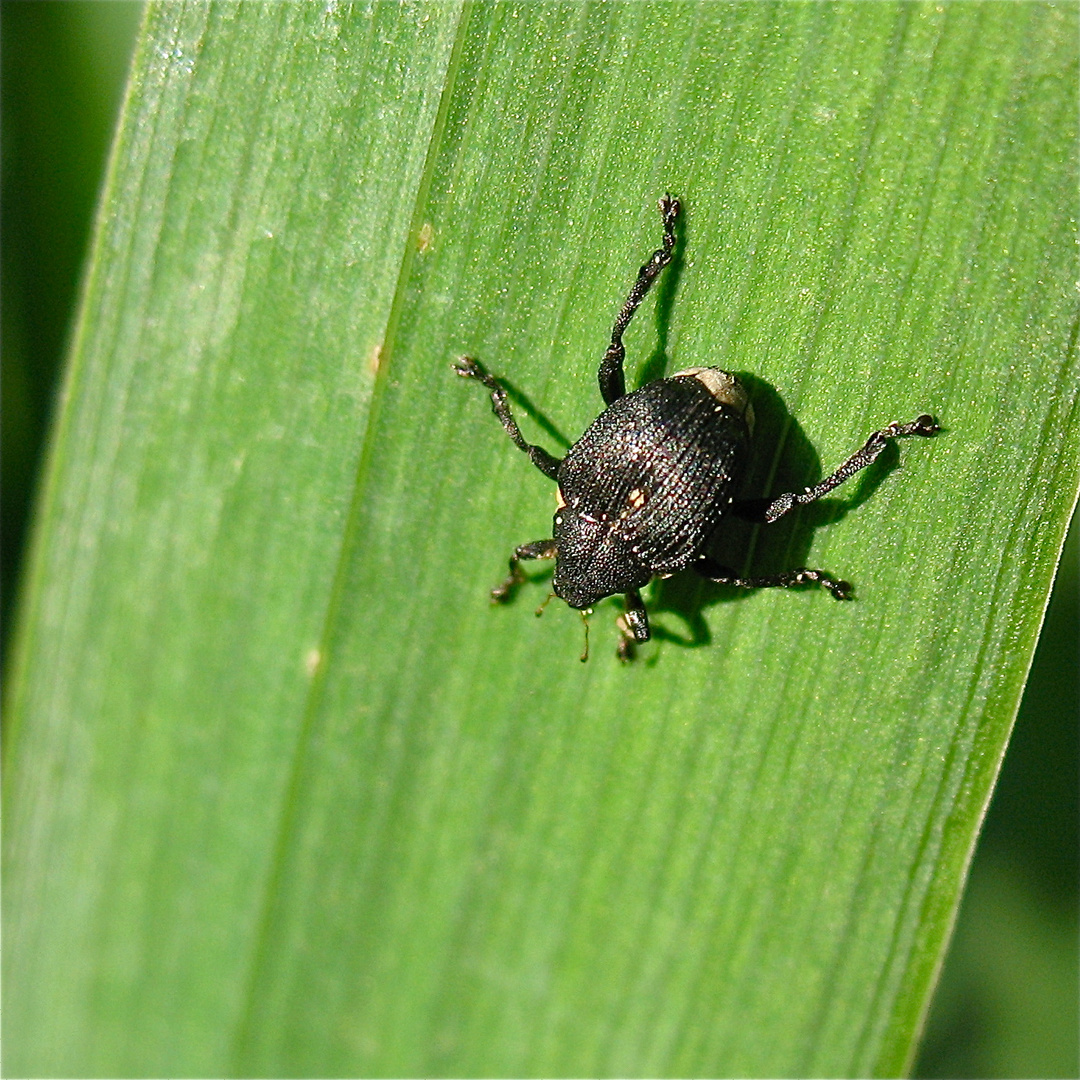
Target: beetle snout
column 574, row 595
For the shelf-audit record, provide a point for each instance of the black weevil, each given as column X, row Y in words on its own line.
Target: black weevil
column 644, row 489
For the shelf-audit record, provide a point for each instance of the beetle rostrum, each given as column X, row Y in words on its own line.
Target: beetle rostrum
column 642, row 492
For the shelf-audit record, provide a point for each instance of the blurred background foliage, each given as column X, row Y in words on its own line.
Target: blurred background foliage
column 1008, row 1000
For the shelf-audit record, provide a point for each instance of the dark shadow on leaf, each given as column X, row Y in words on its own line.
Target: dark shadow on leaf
column 526, row 405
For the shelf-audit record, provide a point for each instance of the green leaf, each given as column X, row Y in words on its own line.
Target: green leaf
column 284, row 794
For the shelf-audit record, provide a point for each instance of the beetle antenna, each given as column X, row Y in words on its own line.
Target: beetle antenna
column 540, row 610
column 585, row 620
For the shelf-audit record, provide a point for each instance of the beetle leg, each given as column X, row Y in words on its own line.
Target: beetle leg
column 871, row 449
column 538, row 549
column 633, row 625
column 713, row 571
column 611, row 377
column 468, row 368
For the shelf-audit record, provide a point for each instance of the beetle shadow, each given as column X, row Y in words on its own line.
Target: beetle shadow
column 526, row 405
column 757, row 550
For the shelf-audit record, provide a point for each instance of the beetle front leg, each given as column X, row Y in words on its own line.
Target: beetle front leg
column 468, row 368
column 633, row 626
column 713, row 571
column 538, row 549
column 611, row 377
column 923, row 426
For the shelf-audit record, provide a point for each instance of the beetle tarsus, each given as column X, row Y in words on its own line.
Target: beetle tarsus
column 633, row 626
column 538, row 549
column 502, row 592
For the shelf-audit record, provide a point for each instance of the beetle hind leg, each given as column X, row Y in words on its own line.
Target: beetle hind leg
column 538, row 549
column 713, row 571
column 923, row 426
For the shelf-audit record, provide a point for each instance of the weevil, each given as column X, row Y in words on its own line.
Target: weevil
column 643, row 491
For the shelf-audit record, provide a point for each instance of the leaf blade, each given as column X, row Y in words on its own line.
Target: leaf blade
column 506, row 895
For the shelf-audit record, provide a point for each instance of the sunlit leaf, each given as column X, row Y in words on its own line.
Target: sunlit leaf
column 285, row 795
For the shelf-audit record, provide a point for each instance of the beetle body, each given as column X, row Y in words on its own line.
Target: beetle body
column 646, row 485
column 643, row 490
